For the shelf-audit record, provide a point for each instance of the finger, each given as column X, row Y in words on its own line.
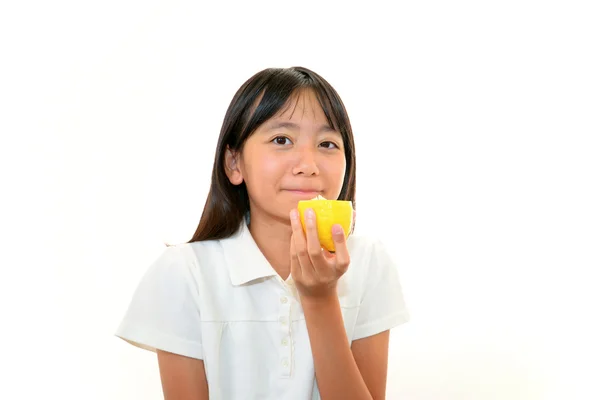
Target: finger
column 300, row 242
column 295, row 268
column 342, row 255
column 313, row 245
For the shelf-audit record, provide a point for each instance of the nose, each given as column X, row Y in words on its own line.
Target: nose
column 306, row 163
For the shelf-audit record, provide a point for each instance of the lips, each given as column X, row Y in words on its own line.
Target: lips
column 309, row 194
column 311, row 190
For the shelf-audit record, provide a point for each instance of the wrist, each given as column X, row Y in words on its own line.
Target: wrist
column 321, row 301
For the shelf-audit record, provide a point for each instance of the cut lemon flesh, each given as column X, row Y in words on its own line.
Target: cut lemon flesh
column 328, row 213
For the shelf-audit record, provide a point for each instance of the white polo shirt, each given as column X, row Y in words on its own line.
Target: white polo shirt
column 221, row 301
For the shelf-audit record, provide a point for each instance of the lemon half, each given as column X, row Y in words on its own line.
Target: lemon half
column 328, row 213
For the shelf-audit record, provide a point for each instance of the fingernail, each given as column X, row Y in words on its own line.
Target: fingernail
column 310, row 214
column 337, row 230
column 294, row 214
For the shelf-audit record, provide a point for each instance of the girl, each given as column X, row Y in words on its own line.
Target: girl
column 252, row 307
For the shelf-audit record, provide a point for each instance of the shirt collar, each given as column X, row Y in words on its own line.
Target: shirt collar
column 244, row 259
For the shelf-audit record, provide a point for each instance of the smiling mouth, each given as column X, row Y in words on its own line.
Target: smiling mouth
column 305, row 192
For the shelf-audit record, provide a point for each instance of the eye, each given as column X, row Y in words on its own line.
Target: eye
column 330, row 145
column 281, row 140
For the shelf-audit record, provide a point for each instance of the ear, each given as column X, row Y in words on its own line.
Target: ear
column 232, row 166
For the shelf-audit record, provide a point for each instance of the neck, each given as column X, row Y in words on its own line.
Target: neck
column 272, row 236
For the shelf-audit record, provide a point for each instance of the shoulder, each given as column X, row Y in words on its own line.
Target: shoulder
column 206, row 262
column 173, row 264
column 361, row 248
column 364, row 246
column 193, row 252
column 369, row 254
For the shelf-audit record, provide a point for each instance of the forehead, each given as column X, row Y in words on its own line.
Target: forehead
column 302, row 105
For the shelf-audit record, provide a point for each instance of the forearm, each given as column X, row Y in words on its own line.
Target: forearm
column 337, row 374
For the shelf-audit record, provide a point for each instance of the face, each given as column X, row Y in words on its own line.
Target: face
column 293, row 156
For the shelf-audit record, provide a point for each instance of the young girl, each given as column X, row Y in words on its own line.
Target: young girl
column 252, row 307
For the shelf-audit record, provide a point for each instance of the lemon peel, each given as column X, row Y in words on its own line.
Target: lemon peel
column 328, row 213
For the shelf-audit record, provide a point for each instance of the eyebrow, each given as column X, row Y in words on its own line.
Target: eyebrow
column 293, row 126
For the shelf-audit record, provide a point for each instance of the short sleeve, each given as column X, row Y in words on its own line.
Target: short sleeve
column 382, row 306
column 164, row 313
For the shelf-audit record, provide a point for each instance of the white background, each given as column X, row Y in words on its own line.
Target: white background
column 477, row 130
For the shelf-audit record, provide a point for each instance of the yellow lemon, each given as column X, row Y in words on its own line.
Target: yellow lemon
column 328, row 213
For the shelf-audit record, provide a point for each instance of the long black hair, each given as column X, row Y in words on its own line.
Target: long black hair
column 227, row 204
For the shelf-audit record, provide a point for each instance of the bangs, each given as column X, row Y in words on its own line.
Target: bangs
column 333, row 118
column 282, row 90
column 322, row 98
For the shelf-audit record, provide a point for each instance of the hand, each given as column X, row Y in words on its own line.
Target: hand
column 314, row 269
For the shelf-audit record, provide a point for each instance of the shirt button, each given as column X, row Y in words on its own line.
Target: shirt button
column 284, row 342
column 285, row 362
column 283, row 320
column 284, row 300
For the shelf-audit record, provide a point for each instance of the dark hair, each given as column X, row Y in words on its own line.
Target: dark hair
column 271, row 88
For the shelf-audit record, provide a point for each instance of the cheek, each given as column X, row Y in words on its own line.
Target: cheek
column 265, row 167
column 271, row 165
column 340, row 168
column 262, row 170
column 335, row 170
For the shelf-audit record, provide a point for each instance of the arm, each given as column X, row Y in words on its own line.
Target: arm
column 371, row 356
column 343, row 372
column 183, row 378
column 164, row 317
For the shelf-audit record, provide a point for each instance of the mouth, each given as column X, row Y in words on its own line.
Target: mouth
column 305, row 193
